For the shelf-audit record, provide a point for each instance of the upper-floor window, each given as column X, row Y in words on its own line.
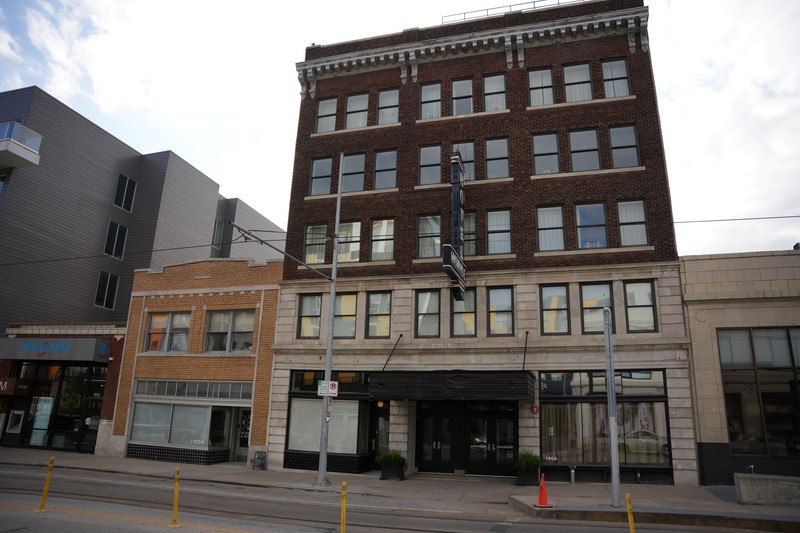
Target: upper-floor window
column 632, row 223
column 386, row 169
column 379, row 315
column 167, row 332
column 462, row 97
column 615, row 78
column 583, row 150
column 353, row 173
column 541, row 87
column 501, row 311
column 555, row 309
column 429, row 236
column 388, row 106
column 357, row 106
column 126, row 190
column 467, row 151
column 427, row 313
column 349, row 242
column 640, row 310
column 431, row 100
column 595, row 297
column 106, row 292
column 115, row 239
column 624, row 152
column 309, row 314
column 382, row 248
column 430, row 165
column 321, row 176
column 498, row 227
column 344, row 316
column 591, row 224
column 326, row 115
column 550, row 223
column 577, row 83
column 314, row 247
column 545, row 153
column 497, row 159
column 469, row 234
column 494, row 93
column 216, row 240
column 462, row 315
column 230, row 331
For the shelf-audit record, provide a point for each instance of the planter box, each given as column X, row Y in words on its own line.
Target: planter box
column 393, row 471
column 528, row 478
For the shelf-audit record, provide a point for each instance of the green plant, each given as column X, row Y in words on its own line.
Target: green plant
column 527, row 462
column 392, row 457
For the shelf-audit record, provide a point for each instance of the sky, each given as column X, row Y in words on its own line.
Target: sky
column 216, row 83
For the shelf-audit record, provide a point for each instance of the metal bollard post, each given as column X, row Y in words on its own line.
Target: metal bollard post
column 631, row 525
column 41, row 508
column 344, row 507
column 175, row 499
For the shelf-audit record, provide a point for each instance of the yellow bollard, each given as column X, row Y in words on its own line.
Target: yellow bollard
column 41, row 508
column 344, row 507
column 175, row 499
column 631, row 526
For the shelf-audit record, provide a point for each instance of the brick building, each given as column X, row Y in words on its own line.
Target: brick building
column 195, row 379
column 566, row 211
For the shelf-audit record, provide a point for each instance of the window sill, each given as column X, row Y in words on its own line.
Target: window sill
column 489, row 257
column 584, row 251
column 587, row 173
column 432, row 186
column 582, row 102
column 187, row 354
column 353, row 193
column 488, row 181
column 348, row 264
column 456, row 117
column 351, row 130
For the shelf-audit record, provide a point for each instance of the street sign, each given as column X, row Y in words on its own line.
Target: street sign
column 322, row 388
column 333, row 389
column 327, row 388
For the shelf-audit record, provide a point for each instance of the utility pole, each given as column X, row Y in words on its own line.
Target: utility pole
column 611, row 394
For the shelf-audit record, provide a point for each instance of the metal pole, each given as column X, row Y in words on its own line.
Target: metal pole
column 327, row 404
column 612, row 410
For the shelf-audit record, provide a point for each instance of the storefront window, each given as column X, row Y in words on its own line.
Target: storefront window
column 347, row 429
column 151, row 422
column 188, row 425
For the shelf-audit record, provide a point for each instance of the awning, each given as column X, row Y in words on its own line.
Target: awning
column 443, row 385
column 55, row 349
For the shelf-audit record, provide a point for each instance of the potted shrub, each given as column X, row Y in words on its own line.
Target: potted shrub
column 393, row 465
column 528, row 467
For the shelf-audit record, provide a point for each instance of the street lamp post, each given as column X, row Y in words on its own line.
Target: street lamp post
column 611, row 394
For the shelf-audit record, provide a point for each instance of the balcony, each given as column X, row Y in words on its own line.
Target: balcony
column 19, row 146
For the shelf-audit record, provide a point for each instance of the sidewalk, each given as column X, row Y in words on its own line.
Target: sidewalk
column 659, row 504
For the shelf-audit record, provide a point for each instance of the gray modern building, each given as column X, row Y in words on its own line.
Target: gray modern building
column 80, row 211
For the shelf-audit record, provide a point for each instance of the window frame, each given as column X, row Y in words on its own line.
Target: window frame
column 356, row 111
column 575, row 86
column 491, row 94
column 230, row 333
column 385, row 171
column 541, row 89
column 353, row 172
column 467, row 159
column 624, row 224
column 545, row 153
column 612, row 79
column 303, row 316
column 115, row 240
column 593, row 309
column 434, row 105
column 459, row 309
column 170, row 331
column 339, row 316
column 324, row 116
column 379, row 315
column 459, row 100
column 418, row 315
column 629, row 307
column 623, row 150
column 578, row 149
column 541, row 229
column 348, row 242
column 497, row 154
column 321, row 244
column 490, row 313
column 427, row 176
column 107, row 284
column 555, row 312
column 436, row 238
column 589, row 225
column 319, row 178
column 470, row 234
column 382, row 237
column 382, row 109
column 126, row 193
column 494, row 235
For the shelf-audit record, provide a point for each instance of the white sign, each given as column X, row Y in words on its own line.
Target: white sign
column 322, row 388
column 333, row 388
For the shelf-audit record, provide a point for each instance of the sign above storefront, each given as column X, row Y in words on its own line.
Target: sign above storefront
column 14, row 387
column 55, row 349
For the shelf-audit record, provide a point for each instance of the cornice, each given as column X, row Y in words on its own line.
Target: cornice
column 627, row 22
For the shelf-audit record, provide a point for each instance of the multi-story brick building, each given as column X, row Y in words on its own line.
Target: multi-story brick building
column 566, row 211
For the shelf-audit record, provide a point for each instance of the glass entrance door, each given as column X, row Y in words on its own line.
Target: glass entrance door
column 492, row 437
column 435, row 440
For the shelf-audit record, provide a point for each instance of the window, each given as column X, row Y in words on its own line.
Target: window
column 309, row 316
column 462, row 315
column 498, row 224
column 167, row 332
column 388, row 106
column 382, row 248
column 357, row 111
column 467, row 151
column 428, row 236
column 583, row 150
column 427, row 324
column 230, row 331
column 430, row 165
column 497, row 159
column 216, row 240
column 591, row 222
column 623, row 147
column 431, row 100
column 386, row 169
column 379, row 315
column 344, row 316
column 106, row 290
column 469, row 234
column 555, row 309
column 462, row 97
column 326, row 115
column 545, row 154
column 639, row 308
column 550, row 221
column 541, row 87
column 615, row 78
column 632, row 225
column 126, row 190
column 321, row 176
column 349, row 242
column 577, row 83
column 494, row 93
column 501, row 311
column 594, row 297
column 115, row 239
column 314, row 249
column 353, row 173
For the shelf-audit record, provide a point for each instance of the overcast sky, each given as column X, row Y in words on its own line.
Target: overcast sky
column 215, row 82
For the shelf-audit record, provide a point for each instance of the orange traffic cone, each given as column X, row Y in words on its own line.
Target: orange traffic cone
column 542, row 496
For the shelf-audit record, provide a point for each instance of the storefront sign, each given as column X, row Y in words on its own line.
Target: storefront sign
column 14, row 387
column 55, row 349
